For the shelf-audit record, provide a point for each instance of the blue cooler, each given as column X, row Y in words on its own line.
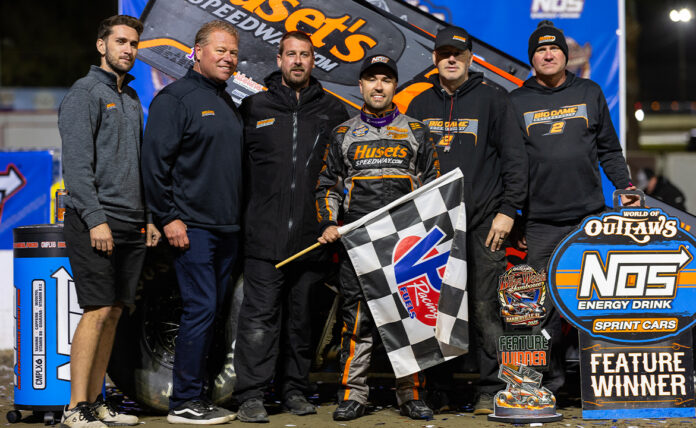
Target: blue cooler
column 47, row 314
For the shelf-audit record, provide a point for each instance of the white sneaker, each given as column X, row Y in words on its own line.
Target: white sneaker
column 109, row 415
column 80, row 416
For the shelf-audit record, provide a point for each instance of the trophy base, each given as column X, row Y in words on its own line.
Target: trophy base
column 525, row 419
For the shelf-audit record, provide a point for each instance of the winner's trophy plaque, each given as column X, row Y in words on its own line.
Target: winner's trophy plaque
column 521, row 350
column 524, row 400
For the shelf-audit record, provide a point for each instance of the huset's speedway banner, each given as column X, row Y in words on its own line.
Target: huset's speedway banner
column 343, row 32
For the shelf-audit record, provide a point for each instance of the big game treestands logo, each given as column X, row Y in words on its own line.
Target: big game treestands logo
column 627, row 276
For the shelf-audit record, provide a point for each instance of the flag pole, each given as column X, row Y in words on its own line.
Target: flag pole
column 301, row 253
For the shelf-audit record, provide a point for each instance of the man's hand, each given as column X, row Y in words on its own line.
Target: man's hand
column 500, row 229
column 330, row 235
column 522, row 243
column 175, row 231
column 100, row 236
column 630, row 200
column 152, row 235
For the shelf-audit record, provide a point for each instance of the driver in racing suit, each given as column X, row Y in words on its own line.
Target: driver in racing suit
column 371, row 160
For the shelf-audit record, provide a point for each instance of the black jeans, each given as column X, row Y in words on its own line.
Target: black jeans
column 274, row 331
column 542, row 238
column 484, row 267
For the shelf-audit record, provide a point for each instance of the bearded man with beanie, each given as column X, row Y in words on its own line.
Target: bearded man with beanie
column 568, row 131
column 475, row 129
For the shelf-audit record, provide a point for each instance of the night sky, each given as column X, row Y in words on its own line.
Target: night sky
column 52, row 44
column 658, row 51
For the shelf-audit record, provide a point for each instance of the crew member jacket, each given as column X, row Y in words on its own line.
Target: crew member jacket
column 475, row 130
column 284, row 141
column 567, row 131
column 192, row 155
column 371, row 162
column 101, row 130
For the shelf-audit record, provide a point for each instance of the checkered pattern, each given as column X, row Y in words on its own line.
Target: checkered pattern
column 412, row 345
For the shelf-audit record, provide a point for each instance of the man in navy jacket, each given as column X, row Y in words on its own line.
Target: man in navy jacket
column 192, row 174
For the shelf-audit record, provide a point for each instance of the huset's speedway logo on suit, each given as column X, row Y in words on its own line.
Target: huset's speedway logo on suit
column 627, row 277
column 419, row 265
column 379, row 154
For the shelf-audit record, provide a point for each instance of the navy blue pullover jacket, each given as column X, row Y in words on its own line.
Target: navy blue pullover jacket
column 192, row 154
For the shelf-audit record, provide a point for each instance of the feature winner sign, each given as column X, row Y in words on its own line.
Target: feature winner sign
column 627, row 280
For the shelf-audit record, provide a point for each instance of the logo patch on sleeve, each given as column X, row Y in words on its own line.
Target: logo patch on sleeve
column 341, row 129
column 205, row 113
column 265, row 122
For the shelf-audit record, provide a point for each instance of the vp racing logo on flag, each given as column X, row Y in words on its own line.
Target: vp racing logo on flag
column 555, row 118
column 627, row 276
column 419, row 266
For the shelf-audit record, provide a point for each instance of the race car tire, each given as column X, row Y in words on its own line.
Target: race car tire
column 143, row 354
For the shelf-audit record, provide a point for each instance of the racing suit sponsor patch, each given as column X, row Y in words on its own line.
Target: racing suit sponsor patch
column 379, row 154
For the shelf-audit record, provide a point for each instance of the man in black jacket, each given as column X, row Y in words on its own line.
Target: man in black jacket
column 286, row 130
column 478, row 133
column 192, row 163
column 568, row 130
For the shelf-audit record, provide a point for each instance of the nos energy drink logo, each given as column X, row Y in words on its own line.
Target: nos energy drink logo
column 626, row 277
column 419, row 266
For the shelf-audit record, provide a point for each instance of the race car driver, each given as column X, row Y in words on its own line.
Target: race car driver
column 371, row 160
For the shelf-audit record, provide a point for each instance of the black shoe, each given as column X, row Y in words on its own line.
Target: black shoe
column 211, row 406
column 438, row 400
column 196, row 412
column 416, row 409
column 348, row 410
column 297, row 404
column 484, row 404
column 252, row 410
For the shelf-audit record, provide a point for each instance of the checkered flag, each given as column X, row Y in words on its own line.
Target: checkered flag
column 410, row 258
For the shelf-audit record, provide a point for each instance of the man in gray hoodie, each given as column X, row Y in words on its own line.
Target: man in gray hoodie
column 101, row 126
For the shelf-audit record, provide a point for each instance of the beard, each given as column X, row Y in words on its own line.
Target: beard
column 117, row 66
column 293, row 81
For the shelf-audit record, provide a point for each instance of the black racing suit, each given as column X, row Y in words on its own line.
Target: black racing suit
column 370, row 162
column 567, row 131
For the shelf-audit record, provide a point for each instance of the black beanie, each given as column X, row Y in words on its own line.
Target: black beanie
column 547, row 34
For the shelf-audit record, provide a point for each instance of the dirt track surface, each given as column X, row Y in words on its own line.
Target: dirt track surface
column 382, row 417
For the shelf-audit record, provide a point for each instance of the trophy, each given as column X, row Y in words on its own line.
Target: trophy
column 521, row 350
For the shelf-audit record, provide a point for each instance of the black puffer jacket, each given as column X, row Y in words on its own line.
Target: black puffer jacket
column 284, row 141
